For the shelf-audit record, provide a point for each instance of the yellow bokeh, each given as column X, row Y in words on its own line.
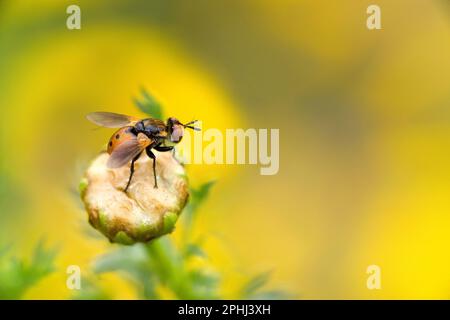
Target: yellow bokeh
column 364, row 126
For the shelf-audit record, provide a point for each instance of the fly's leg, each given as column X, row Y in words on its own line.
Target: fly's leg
column 152, row 155
column 132, row 171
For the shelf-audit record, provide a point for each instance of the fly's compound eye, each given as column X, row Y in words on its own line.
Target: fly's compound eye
column 177, row 133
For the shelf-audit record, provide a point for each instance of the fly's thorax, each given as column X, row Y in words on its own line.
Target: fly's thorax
column 154, row 126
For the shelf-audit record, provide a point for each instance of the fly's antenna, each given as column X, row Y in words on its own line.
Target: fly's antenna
column 190, row 125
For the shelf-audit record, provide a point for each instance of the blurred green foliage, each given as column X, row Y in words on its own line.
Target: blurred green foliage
column 17, row 275
column 252, row 290
column 91, row 290
column 149, row 105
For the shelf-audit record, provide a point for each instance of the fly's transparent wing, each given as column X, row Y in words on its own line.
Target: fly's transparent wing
column 127, row 151
column 111, row 120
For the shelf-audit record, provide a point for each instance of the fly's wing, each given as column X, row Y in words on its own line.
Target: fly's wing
column 111, row 120
column 128, row 150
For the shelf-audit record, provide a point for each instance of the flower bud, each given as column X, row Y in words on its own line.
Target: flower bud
column 143, row 212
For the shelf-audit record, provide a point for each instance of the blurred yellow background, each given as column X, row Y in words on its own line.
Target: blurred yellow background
column 364, row 119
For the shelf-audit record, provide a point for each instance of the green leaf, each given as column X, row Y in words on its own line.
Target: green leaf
column 204, row 285
column 90, row 290
column 134, row 264
column 125, row 259
column 165, row 259
column 202, row 192
column 17, row 276
column 198, row 196
column 42, row 262
column 252, row 289
column 194, row 250
column 202, row 278
column 149, row 105
column 255, row 283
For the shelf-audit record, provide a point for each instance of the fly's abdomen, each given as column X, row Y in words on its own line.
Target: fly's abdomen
column 119, row 137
